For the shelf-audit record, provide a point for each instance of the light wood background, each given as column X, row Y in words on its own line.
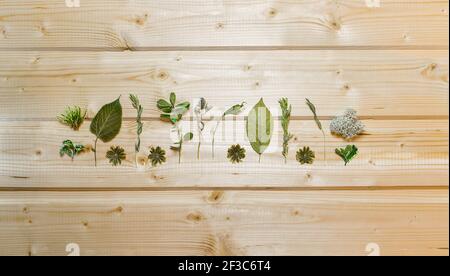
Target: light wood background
column 388, row 62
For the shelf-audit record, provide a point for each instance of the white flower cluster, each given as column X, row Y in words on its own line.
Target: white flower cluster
column 347, row 126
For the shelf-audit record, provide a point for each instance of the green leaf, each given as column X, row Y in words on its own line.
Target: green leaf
column 188, row 137
column 260, row 127
column 173, row 99
column 164, row 106
column 314, row 111
column 177, row 113
column 235, row 110
column 347, row 153
column 108, row 121
column 185, row 105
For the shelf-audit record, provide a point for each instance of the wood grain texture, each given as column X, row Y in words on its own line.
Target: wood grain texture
column 392, row 153
column 225, row 222
column 388, row 84
column 127, row 24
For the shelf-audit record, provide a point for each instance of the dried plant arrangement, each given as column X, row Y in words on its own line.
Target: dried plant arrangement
column 116, row 155
column 286, row 109
column 259, row 128
column 106, row 124
column 200, row 109
column 72, row 117
column 236, row 154
column 157, row 156
column 139, row 109
column 347, row 126
column 347, row 153
column 173, row 113
column 313, row 109
column 71, row 149
column 305, row 156
column 234, row 110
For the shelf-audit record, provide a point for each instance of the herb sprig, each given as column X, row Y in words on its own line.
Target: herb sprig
column 319, row 125
column 234, row 110
column 139, row 109
column 173, row 113
column 347, row 153
column 285, row 120
column 71, row 149
column 201, row 108
column 73, row 117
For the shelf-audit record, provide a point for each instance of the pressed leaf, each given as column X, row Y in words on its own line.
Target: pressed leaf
column 188, row 137
column 186, row 105
column 108, row 121
column 260, row 127
column 313, row 110
column 173, row 99
column 164, row 106
column 234, row 110
column 177, row 113
column 347, row 153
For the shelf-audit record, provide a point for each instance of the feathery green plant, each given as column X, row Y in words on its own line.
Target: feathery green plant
column 73, row 117
column 285, row 120
column 139, row 109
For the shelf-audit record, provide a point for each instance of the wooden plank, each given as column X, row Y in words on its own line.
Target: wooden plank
column 138, row 24
column 387, row 84
column 402, row 222
column 392, row 153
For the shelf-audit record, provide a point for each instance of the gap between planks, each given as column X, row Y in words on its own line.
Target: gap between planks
column 227, row 48
column 256, row 189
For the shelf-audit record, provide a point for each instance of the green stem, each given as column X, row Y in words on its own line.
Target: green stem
column 324, row 147
column 260, row 158
column 198, row 150
column 95, row 151
column 179, row 152
column 213, row 142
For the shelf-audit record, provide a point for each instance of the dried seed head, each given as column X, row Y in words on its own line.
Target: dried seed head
column 347, row 126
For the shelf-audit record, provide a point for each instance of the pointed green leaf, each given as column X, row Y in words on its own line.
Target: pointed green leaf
column 173, row 99
column 188, row 137
column 108, row 121
column 164, row 106
column 235, row 110
column 177, row 113
column 260, row 127
column 185, row 105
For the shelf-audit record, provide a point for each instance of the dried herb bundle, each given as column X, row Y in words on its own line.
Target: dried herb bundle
column 201, row 108
column 285, row 120
column 73, row 117
column 70, row 149
column 107, row 124
column 174, row 113
column 116, row 155
column 157, row 156
column 347, row 153
column 234, row 110
column 319, row 125
column 139, row 109
column 236, row 154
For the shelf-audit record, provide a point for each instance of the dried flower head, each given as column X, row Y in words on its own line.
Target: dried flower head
column 72, row 117
column 305, row 156
column 236, row 154
column 347, row 126
column 157, row 156
column 116, row 155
